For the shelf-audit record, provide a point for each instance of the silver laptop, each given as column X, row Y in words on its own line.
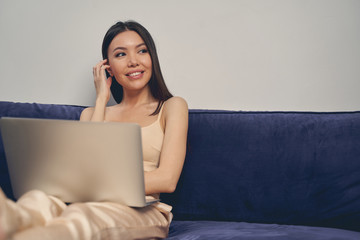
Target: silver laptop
column 75, row 161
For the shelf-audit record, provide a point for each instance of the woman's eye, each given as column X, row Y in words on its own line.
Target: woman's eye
column 143, row 51
column 120, row 54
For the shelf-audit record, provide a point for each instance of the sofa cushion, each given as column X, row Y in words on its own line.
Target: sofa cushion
column 206, row 230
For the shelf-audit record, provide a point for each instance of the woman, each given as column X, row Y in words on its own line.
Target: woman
column 135, row 80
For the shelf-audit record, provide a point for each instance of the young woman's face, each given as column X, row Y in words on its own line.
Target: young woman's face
column 130, row 61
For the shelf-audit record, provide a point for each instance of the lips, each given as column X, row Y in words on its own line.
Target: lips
column 134, row 73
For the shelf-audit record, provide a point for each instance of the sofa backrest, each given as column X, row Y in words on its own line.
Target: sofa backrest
column 265, row 167
column 271, row 167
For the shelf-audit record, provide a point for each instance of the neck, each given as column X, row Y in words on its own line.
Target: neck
column 137, row 98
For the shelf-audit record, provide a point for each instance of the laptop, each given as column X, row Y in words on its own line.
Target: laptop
column 76, row 161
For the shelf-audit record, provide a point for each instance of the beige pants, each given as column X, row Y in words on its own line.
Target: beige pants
column 38, row 216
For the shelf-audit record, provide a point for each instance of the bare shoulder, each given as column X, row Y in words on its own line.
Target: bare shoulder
column 86, row 114
column 176, row 108
column 175, row 104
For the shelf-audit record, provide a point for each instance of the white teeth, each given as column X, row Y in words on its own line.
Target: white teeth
column 134, row 74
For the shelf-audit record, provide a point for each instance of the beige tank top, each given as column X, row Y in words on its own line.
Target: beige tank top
column 152, row 141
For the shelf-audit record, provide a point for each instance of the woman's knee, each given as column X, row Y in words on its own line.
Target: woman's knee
column 40, row 203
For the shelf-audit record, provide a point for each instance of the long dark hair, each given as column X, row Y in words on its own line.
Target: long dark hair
column 157, row 84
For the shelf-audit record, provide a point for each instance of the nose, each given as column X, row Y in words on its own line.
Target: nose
column 133, row 61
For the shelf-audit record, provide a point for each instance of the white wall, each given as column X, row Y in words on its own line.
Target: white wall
column 223, row 54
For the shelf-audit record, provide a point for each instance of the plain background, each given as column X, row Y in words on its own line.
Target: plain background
column 272, row 55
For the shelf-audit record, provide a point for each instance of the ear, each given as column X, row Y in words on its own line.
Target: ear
column 110, row 72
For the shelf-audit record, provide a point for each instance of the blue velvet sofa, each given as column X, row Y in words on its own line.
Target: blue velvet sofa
column 255, row 175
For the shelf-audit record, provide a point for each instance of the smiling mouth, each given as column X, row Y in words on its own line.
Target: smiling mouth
column 134, row 74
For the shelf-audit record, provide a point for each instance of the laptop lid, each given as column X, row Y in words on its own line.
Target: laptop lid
column 75, row 161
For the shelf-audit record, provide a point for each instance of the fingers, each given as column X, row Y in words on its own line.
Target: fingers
column 102, row 83
column 98, row 69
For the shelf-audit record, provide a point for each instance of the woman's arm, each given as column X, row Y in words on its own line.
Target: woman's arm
column 102, row 86
column 164, row 179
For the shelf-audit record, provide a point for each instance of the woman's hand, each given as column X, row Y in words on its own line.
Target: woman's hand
column 102, row 85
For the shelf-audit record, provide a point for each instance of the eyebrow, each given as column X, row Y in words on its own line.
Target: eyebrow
column 124, row 48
